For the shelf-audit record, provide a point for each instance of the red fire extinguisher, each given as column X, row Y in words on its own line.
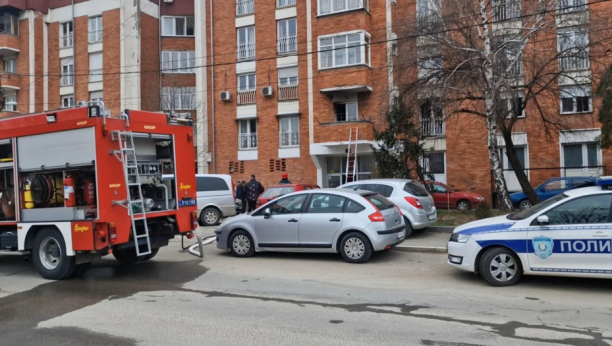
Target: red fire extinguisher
column 69, row 195
column 89, row 191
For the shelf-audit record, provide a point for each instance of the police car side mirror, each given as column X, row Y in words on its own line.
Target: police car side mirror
column 542, row 220
column 266, row 213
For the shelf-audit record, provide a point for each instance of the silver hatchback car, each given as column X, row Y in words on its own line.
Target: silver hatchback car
column 353, row 223
column 410, row 196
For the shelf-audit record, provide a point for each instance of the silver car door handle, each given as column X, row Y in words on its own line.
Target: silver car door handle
column 335, row 220
column 293, row 220
column 600, row 234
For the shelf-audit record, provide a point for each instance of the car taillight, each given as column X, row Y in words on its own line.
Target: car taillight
column 112, row 232
column 414, row 202
column 194, row 219
column 377, row 217
column 398, row 209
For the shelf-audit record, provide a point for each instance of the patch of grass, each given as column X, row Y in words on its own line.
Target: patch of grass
column 455, row 218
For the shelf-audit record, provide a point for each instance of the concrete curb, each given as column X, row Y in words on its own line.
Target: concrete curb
column 420, row 249
column 440, row 229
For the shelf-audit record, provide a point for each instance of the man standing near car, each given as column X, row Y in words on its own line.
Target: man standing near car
column 240, row 196
column 253, row 190
column 285, row 179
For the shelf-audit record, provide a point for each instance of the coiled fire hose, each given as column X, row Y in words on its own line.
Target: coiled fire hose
column 197, row 249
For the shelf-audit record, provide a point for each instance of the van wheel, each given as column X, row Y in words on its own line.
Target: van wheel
column 210, row 217
column 500, row 267
column 49, row 255
column 355, row 248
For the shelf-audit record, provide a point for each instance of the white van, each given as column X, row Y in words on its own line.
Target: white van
column 216, row 198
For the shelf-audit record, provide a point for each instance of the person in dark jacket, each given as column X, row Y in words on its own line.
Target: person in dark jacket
column 285, row 179
column 240, row 194
column 253, row 190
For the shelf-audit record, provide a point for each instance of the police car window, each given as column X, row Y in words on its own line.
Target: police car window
column 556, row 185
column 288, row 205
column 326, row 204
column 582, row 210
column 536, row 208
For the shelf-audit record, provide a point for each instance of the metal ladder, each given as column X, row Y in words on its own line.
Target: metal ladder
column 351, row 158
column 127, row 155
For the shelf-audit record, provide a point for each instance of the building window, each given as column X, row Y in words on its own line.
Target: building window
column 96, row 96
column 572, row 5
column 506, row 9
column 432, row 118
column 428, row 12
column 246, row 43
column 513, row 103
column 95, row 29
column 344, row 50
column 10, row 104
column 288, row 84
column 429, row 68
column 508, row 63
column 174, row 99
column 287, row 36
column 67, row 72
column 246, row 89
column 576, row 99
column 95, row 67
column 284, row 3
column 520, row 153
column 289, row 131
column 336, row 169
column 9, row 24
column 346, row 111
column 581, row 155
column 573, row 49
column 245, row 7
column 333, row 6
column 66, row 35
column 434, row 163
column 10, row 66
column 178, row 62
column 67, row 101
column 247, row 137
column 177, row 26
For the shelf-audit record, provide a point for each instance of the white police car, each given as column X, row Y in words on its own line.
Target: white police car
column 567, row 235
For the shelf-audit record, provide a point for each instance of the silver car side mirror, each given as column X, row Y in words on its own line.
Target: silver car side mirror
column 542, row 220
column 266, row 213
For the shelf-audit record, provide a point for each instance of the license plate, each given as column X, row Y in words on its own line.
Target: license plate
column 187, row 202
column 401, row 235
column 431, row 217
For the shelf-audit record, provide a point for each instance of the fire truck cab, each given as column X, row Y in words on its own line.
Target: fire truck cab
column 76, row 185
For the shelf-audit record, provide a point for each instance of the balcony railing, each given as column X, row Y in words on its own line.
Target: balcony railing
column 572, row 5
column 245, row 7
column 505, row 10
column 289, row 138
column 95, row 75
column 284, row 3
column 95, row 36
column 247, row 96
column 66, row 40
column 67, row 80
column 287, row 44
column 576, row 62
column 432, row 127
column 246, row 50
column 247, row 141
column 287, row 92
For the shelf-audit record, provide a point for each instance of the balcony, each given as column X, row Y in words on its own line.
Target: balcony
column 95, row 36
column 432, row 127
column 285, row 3
column 245, row 7
column 576, row 62
column 9, row 44
column 10, row 81
column 247, row 96
column 287, row 45
column 247, row 141
column 288, row 92
column 95, row 76
column 246, row 50
column 289, row 138
column 67, row 80
column 66, row 41
column 506, row 10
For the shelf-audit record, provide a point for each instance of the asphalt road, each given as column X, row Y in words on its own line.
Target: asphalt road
column 401, row 298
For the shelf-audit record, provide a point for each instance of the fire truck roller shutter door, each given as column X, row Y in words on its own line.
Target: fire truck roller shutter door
column 56, row 149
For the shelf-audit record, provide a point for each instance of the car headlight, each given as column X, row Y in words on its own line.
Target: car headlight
column 459, row 238
column 480, row 199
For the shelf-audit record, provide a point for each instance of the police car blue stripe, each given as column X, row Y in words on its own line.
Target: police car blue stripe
column 561, row 246
column 487, row 229
column 517, row 245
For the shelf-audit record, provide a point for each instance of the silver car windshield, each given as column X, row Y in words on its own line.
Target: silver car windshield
column 537, row 208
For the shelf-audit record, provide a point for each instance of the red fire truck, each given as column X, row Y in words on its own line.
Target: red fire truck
column 76, row 185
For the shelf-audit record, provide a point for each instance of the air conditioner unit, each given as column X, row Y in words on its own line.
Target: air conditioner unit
column 82, row 104
column 225, row 96
column 267, row 91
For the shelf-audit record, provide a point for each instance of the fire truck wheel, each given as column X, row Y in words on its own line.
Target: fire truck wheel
column 126, row 256
column 49, row 255
column 241, row 244
column 151, row 255
column 210, row 217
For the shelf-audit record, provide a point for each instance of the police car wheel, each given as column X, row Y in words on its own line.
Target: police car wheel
column 500, row 267
column 525, row 204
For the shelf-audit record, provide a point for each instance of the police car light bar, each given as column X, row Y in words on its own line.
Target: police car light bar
column 605, row 182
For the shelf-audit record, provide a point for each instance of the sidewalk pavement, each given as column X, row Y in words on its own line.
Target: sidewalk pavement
column 430, row 240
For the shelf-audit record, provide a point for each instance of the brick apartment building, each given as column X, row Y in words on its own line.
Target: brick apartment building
column 276, row 85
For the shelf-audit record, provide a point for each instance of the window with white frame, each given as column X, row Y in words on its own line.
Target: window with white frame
column 245, row 7
column 95, row 67
column 246, row 43
column 10, row 66
column 67, row 72
column 432, row 118
column 578, row 155
column 508, row 62
column 346, row 111
column 174, row 98
column 573, row 49
column 576, row 99
column 96, row 96
column 513, row 104
column 10, row 104
column 178, row 62
column 66, row 35
column 287, row 83
column 95, row 29
column 572, row 5
column 67, row 101
column 247, row 135
column 429, row 68
column 344, row 50
column 177, row 26
column 246, row 89
column 289, row 131
column 287, row 36
column 428, row 12
column 284, row 3
column 333, row 6
column 506, row 9
column 9, row 24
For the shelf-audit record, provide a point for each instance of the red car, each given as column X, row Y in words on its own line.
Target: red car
column 273, row 192
column 445, row 197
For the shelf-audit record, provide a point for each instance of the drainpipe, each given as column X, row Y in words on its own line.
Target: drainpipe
column 74, row 65
column 212, row 85
column 159, row 52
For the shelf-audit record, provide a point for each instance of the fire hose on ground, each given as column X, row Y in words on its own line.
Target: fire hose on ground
column 197, row 249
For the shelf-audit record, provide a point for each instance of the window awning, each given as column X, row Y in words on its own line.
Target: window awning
column 347, row 89
column 290, row 114
column 246, row 117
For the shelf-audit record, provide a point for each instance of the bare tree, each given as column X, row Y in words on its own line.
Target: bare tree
column 492, row 59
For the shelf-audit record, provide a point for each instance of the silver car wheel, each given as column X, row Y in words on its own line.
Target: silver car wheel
column 50, row 253
column 503, row 268
column 211, row 217
column 354, row 248
column 525, row 205
column 463, row 205
column 241, row 244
